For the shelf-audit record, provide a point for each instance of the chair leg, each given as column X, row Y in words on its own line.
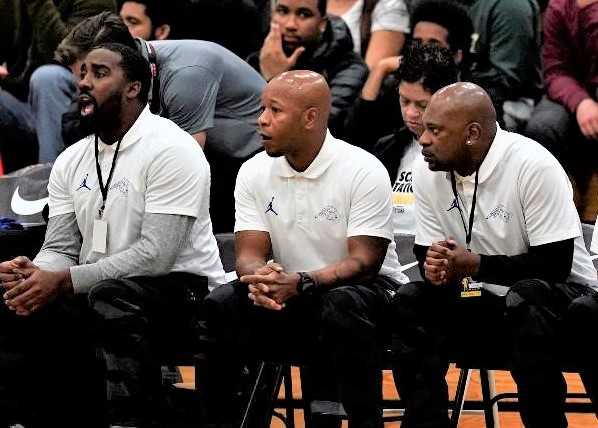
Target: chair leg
column 258, row 412
column 462, row 385
column 487, row 394
column 306, row 397
column 288, row 395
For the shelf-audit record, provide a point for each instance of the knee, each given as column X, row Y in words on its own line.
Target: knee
column 343, row 311
column 51, row 77
column 583, row 311
column 106, row 297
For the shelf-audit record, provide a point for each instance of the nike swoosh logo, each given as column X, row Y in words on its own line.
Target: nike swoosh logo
column 21, row 206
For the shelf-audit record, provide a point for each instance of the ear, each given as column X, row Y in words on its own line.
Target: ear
column 133, row 90
column 310, row 117
column 474, row 132
column 162, row 32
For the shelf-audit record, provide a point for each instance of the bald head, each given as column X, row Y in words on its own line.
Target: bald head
column 294, row 120
column 466, row 102
column 306, row 89
column 460, row 123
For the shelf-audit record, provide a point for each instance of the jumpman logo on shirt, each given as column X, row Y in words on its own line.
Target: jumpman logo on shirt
column 84, row 183
column 454, row 204
column 269, row 207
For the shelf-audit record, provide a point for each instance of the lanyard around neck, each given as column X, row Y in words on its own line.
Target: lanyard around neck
column 469, row 230
column 105, row 188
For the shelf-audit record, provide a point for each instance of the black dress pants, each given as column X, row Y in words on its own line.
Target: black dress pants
column 529, row 331
column 337, row 333
column 49, row 373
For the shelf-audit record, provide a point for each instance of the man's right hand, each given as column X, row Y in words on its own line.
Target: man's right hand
column 587, row 118
column 436, row 263
column 273, row 60
column 9, row 278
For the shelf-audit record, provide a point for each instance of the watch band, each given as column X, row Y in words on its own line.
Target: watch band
column 306, row 284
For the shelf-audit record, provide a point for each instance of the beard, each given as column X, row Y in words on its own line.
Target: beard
column 95, row 117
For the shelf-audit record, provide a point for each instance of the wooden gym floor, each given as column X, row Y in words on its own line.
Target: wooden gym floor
column 504, row 383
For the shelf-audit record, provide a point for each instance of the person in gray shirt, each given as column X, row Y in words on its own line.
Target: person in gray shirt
column 202, row 87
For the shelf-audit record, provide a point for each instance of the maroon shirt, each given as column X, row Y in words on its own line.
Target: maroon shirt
column 571, row 51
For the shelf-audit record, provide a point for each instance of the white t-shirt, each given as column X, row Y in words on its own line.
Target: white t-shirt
column 309, row 215
column 160, row 169
column 403, row 199
column 389, row 15
column 524, row 199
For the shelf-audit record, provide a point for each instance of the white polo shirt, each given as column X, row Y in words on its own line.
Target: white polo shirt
column 309, row 215
column 524, row 199
column 160, row 169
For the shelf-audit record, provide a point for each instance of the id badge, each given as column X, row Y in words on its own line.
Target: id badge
column 100, row 236
column 470, row 288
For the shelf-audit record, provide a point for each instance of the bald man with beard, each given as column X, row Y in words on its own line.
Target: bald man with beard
column 315, row 257
column 494, row 207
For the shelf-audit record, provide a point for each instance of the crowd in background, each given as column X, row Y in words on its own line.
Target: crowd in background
column 528, row 55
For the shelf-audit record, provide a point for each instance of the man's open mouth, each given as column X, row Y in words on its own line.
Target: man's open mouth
column 87, row 105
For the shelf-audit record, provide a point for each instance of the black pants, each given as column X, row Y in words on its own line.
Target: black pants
column 142, row 320
column 553, row 126
column 336, row 333
column 528, row 331
column 49, row 373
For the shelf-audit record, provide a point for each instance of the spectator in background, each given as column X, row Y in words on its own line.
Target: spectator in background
column 378, row 27
column 424, row 69
column 238, row 25
column 31, row 97
column 505, row 52
column 148, row 19
column 303, row 37
column 202, row 87
column 566, row 120
column 376, row 112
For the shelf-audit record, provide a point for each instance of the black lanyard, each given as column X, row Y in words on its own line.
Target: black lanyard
column 104, row 189
column 471, row 211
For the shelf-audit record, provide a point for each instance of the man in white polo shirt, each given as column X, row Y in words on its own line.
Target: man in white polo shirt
column 321, row 209
column 496, row 207
column 129, row 228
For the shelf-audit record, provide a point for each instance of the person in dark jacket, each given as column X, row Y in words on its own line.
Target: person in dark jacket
column 302, row 37
column 424, row 69
column 505, row 52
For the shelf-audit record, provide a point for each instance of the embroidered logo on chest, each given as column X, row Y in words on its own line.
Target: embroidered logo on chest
column 121, row 185
column 501, row 213
column 328, row 213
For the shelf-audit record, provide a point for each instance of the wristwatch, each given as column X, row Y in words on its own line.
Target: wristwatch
column 306, row 284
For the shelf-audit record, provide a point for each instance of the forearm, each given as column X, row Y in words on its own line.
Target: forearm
column 162, row 236
column 372, row 86
column 346, row 271
column 62, row 244
column 551, row 262
column 248, row 265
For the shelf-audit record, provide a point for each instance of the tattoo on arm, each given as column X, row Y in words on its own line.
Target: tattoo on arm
column 366, row 255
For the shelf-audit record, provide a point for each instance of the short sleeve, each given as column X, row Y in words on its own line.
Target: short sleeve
column 547, row 199
column 371, row 204
column 189, row 98
column 61, row 199
column 178, row 180
column 390, row 15
column 247, row 216
column 427, row 226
